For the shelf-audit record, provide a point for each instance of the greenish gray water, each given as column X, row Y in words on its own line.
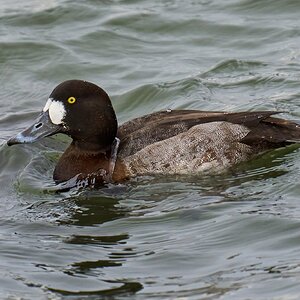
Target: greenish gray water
column 232, row 236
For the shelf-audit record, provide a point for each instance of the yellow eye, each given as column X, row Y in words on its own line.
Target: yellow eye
column 71, row 100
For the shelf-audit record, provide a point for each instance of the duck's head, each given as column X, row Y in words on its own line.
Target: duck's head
column 79, row 109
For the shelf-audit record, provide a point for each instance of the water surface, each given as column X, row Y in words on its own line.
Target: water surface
column 231, row 236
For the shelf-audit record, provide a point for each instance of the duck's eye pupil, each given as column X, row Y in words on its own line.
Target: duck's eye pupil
column 71, row 100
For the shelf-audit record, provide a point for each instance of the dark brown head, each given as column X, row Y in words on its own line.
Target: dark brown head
column 79, row 109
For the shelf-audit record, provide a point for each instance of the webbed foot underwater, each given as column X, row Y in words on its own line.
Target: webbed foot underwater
column 168, row 142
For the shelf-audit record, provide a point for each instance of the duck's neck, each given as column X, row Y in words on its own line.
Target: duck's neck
column 82, row 158
column 90, row 147
column 109, row 152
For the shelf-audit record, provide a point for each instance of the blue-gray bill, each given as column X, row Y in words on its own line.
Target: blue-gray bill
column 42, row 127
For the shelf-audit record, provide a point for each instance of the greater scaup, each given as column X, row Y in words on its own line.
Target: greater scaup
column 166, row 142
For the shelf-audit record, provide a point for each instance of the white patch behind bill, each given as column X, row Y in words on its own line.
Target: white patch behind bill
column 56, row 109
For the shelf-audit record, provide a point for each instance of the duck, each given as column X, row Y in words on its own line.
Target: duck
column 164, row 142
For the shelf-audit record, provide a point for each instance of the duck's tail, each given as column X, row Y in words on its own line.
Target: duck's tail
column 274, row 132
